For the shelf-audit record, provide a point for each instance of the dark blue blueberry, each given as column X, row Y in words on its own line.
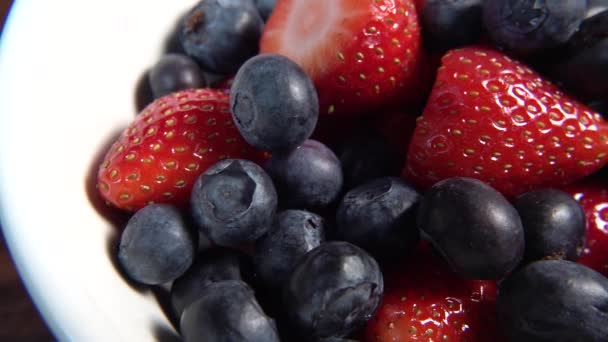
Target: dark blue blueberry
column 334, row 289
column 473, row 226
column 265, row 7
column 554, row 225
column 367, row 156
column 156, row 246
column 308, row 177
column 175, row 72
column 227, row 311
column 221, row 34
column 274, row 103
column 380, row 216
column 583, row 66
column 449, row 24
column 554, row 301
column 528, row 27
column 211, row 266
column 293, row 234
column 596, row 6
column 233, row 202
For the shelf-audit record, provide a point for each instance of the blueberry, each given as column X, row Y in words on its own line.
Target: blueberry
column 528, row 27
column 274, row 103
column 556, row 301
column 334, row 289
column 221, row 34
column 265, row 7
column 367, row 156
column 596, row 6
column 449, row 24
column 293, row 234
column 583, row 66
column 554, row 225
column 227, row 311
column 308, row 177
column 175, row 72
column 211, row 266
column 156, row 246
column 473, row 227
column 380, row 216
column 233, row 202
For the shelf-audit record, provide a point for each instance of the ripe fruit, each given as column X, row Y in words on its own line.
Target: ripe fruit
column 334, row 289
column 494, row 119
column 475, row 229
column 425, row 301
column 530, row 27
column 362, row 55
column 233, row 202
column 156, row 246
column 380, row 216
column 293, row 234
column 308, row 177
column 227, row 311
column 173, row 73
column 160, row 155
column 554, row 300
column 592, row 195
column 554, row 225
column 221, row 35
column 274, row 103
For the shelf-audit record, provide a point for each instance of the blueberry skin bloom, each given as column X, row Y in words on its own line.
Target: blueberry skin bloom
column 293, row 234
column 380, row 217
column 175, row 72
column 227, row 312
column 221, row 34
column 473, row 226
column 211, row 266
column 156, row 246
column 308, row 177
column 233, row 202
column 554, row 301
column 526, row 27
column 265, row 7
column 274, row 103
column 554, row 225
column 334, row 289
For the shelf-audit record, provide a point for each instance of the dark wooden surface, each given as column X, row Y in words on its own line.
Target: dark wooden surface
column 19, row 319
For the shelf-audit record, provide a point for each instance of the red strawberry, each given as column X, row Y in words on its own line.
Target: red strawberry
column 361, row 54
column 592, row 194
column 160, row 155
column 425, row 301
column 494, row 119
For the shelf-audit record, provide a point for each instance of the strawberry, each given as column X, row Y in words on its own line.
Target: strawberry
column 592, row 194
column 425, row 301
column 492, row 118
column 160, row 155
column 361, row 54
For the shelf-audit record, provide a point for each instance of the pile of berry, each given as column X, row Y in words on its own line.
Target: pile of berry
column 377, row 170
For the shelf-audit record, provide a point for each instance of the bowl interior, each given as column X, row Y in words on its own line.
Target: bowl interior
column 68, row 72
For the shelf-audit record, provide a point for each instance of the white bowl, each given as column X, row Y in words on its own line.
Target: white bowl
column 68, row 70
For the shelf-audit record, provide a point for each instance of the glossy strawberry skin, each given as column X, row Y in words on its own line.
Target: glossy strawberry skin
column 425, row 301
column 592, row 194
column 375, row 63
column 160, row 155
column 492, row 118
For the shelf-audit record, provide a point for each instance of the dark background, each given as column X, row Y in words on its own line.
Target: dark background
column 19, row 319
